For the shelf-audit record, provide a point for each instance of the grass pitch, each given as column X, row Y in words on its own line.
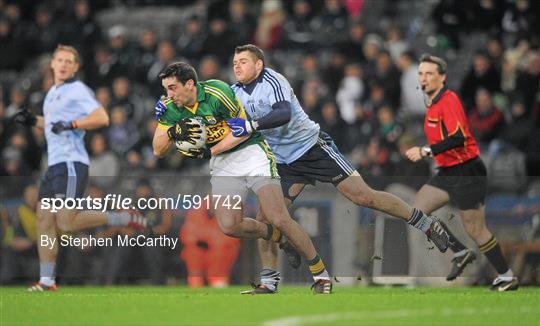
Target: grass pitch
column 292, row 306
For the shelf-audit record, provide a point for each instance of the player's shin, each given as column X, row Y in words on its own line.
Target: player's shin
column 268, row 254
column 47, row 247
column 300, row 240
column 269, row 274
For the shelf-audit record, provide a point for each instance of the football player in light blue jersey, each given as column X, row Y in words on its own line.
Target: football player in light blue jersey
column 270, row 96
column 69, row 109
column 305, row 155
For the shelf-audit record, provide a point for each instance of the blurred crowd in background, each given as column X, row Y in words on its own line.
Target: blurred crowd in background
column 352, row 64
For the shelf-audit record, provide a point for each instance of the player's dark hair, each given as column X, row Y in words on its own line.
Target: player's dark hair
column 144, row 182
column 409, row 54
column 482, row 53
column 385, row 52
column 181, row 70
column 441, row 64
column 255, row 50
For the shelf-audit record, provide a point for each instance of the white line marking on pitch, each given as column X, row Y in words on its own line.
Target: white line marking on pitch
column 385, row 314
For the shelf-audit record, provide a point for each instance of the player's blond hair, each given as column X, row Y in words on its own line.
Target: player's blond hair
column 68, row 48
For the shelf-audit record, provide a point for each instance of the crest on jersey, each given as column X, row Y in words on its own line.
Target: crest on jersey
column 211, row 119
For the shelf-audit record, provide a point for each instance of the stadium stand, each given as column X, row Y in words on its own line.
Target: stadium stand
column 344, row 59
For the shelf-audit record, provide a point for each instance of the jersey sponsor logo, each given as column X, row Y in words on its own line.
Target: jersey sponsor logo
column 216, row 132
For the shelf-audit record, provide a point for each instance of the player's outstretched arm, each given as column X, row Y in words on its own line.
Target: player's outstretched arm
column 161, row 142
column 97, row 119
column 279, row 116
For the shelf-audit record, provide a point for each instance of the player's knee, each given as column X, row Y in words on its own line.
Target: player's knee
column 65, row 225
column 45, row 219
column 230, row 230
column 276, row 214
column 281, row 222
column 261, row 217
column 230, row 233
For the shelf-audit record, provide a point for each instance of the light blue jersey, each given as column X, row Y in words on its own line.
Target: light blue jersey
column 69, row 101
column 292, row 140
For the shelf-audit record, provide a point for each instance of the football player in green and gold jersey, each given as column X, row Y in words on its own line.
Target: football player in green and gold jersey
column 236, row 163
column 214, row 104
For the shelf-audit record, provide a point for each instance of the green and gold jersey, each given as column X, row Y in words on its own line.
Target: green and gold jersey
column 215, row 104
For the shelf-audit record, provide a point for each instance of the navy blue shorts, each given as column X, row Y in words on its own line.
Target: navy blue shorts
column 323, row 162
column 64, row 180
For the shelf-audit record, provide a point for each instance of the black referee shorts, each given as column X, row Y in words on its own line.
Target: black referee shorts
column 323, row 162
column 466, row 183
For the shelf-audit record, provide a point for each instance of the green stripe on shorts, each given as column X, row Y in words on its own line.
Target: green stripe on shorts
column 270, row 156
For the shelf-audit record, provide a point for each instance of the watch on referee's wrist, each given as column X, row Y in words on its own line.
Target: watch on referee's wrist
column 426, row 149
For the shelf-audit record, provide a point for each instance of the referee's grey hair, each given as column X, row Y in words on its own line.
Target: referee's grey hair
column 441, row 64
